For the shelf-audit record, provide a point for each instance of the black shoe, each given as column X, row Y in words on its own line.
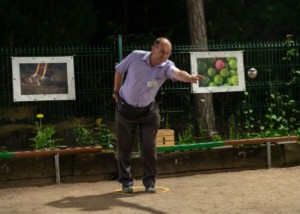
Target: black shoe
column 127, row 189
column 150, row 189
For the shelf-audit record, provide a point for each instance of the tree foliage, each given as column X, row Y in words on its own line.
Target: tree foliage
column 93, row 22
column 48, row 22
column 252, row 20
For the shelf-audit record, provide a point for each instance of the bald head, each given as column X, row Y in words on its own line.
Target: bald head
column 161, row 50
column 161, row 40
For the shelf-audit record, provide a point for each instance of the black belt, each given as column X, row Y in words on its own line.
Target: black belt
column 130, row 111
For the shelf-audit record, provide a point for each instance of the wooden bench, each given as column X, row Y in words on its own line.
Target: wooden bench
column 55, row 152
column 230, row 143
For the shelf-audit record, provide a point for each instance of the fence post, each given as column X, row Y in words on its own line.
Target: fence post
column 120, row 48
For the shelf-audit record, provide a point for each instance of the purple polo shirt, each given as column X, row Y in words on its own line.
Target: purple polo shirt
column 142, row 81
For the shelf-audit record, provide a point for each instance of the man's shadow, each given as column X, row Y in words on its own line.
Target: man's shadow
column 101, row 203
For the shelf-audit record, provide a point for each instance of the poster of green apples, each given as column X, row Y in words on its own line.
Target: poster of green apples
column 223, row 71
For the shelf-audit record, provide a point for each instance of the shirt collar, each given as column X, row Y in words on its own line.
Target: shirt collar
column 147, row 59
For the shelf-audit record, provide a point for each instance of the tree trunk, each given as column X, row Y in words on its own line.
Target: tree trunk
column 203, row 103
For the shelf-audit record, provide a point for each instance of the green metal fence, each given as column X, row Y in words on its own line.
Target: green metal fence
column 94, row 72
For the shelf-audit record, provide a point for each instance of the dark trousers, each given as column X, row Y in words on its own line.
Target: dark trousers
column 126, row 128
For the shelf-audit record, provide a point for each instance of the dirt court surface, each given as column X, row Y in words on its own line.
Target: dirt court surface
column 274, row 190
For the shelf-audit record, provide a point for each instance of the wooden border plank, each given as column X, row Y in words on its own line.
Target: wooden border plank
column 262, row 140
column 39, row 153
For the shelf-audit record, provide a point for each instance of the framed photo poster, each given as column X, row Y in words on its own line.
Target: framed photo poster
column 43, row 78
column 223, row 71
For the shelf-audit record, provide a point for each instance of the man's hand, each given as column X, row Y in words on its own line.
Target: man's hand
column 195, row 78
column 186, row 77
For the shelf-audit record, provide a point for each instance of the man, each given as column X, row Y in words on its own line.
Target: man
column 136, row 107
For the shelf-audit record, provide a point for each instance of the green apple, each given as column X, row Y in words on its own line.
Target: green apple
column 224, row 72
column 234, row 80
column 228, row 81
column 218, row 79
column 212, row 84
column 230, row 58
column 233, row 64
column 211, row 72
column 233, row 72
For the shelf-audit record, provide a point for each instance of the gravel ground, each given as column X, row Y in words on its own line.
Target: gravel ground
column 275, row 190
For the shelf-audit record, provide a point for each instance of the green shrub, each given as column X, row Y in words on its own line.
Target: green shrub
column 187, row 136
column 99, row 134
column 44, row 135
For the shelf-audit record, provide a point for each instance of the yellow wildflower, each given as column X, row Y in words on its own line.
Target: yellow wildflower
column 40, row 116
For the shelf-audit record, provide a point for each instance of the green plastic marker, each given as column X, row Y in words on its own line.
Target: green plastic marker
column 6, row 155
